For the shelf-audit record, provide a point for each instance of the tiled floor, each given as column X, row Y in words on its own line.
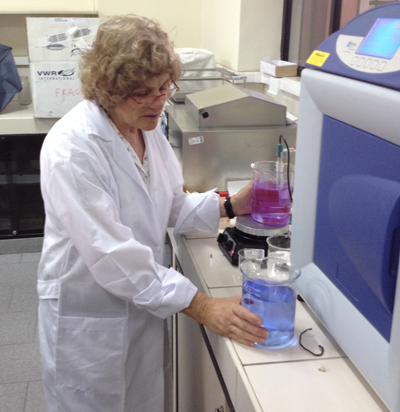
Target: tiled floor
column 20, row 375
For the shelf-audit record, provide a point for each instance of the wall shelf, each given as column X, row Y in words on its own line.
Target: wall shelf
column 46, row 7
column 16, row 119
column 50, row 12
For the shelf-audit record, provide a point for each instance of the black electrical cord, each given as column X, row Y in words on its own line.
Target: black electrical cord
column 288, row 166
column 322, row 349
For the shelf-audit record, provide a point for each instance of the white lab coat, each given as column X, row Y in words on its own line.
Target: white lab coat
column 103, row 290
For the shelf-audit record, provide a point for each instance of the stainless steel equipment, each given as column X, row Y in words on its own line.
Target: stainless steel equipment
column 195, row 80
column 219, row 132
column 230, row 106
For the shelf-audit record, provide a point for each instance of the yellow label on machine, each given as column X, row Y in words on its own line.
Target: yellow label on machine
column 318, row 58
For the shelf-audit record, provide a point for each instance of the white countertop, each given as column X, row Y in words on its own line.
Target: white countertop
column 287, row 379
column 18, row 119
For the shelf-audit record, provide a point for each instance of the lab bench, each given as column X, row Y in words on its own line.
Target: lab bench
column 256, row 379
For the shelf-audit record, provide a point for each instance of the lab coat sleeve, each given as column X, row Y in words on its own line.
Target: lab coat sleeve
column 82, row 201
column 199, row 212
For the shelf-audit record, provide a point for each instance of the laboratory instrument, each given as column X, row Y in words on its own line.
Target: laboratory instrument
column 246, row 234
column 270, row 211
column 218, row 132
column 200, row 72
column 346, row 211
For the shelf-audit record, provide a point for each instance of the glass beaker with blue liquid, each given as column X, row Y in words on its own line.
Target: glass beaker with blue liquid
column 267, row 292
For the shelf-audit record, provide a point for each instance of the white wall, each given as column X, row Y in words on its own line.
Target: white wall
column 241, row 32
column 180, row 18
column 220, row 30
column 260, row 32
column 13, row 34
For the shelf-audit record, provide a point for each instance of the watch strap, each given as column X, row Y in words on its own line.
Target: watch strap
column 228, row 208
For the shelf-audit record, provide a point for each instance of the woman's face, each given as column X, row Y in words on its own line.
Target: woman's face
column 132, row 113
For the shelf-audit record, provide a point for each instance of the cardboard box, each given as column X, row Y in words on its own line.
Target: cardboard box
column 55, row 88
column 59, row 38
column 278, row 68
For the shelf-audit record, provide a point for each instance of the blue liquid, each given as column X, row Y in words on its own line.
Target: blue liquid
column 276, row 306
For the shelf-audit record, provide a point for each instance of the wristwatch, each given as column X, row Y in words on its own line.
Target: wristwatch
column 228, row 207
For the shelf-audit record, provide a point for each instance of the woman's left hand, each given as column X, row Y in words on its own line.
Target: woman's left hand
column 240, row 201
column 226, row 317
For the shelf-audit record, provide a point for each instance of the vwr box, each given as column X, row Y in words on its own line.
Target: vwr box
column 60, row 38
column 55, row 46
column 55, row 88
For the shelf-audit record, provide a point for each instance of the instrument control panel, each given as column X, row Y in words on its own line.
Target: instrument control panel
column 367, row 48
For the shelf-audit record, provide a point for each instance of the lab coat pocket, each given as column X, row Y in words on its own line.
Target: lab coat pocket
column 90, row 353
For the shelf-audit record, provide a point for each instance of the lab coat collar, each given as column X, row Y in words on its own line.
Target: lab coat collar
column 98, row 125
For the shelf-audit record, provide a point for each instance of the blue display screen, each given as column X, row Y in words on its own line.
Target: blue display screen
column 383, row 39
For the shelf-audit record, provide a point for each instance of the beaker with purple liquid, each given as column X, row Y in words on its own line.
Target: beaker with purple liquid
column 270, row 197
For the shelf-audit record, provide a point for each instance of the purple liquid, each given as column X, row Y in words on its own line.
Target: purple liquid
column 270, row 204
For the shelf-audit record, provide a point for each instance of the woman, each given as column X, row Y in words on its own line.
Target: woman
column 111, row 185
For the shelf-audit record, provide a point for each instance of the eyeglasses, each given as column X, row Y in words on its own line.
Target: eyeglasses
column 147, row 101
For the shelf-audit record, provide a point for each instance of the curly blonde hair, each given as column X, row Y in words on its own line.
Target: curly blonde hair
column 128, row 50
